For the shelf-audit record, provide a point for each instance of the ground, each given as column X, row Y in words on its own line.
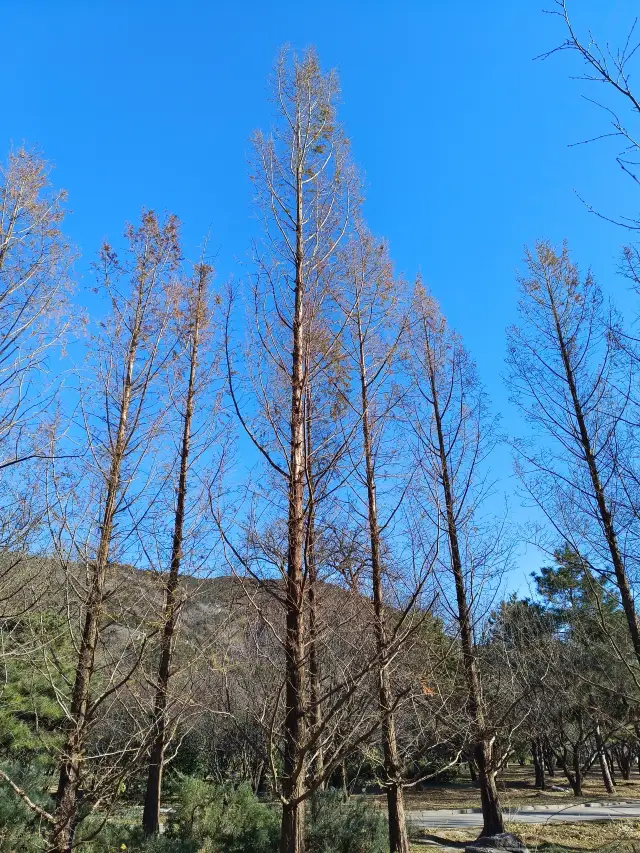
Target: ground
column 516, row 788
column 612, row 837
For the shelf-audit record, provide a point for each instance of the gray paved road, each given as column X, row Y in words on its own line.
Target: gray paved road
column 533, row 814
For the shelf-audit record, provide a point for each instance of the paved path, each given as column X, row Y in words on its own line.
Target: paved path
column 555, row 813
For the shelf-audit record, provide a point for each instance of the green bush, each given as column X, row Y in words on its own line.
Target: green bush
column 18, row 824
column 137, row 842
column 224, row 818
column 338, row 826
column 206, row 818
column 228, row 819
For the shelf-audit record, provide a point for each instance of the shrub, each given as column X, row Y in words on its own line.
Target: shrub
column 139, row 843
column 224, row 818
column 18, row 824
column 339, row 826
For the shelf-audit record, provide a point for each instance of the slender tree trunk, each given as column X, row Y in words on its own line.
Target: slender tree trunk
column 612, row 768
column 604, row 513
column 312, row 577
column 573, row 772
column 549, row 759
column 343, row 779
column 69, row 780
column 398, row 838
column 151, row 811
column 623, row 757
column 293, row 772
column 604, row 764
column 473, row 773
column 259, row 778
column 576, row 784
column 493, row 822
column 538, row 764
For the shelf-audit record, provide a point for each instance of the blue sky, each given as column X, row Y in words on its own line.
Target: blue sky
column 462, row 137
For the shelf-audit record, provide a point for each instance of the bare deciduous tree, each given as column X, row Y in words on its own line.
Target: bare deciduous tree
column 195, row 321
column 566, row 377
column 454, row 434
column 129, row 356
column 303, row 181
column 35, row 262
column 375, row 325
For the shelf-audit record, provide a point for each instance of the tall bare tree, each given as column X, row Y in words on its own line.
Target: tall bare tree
column 454, row 434
column 375, row 325
column 303, row 182
column 129, row 356
column 195, row 323
column 35, row 261
column 567, row 378
column 35, row 269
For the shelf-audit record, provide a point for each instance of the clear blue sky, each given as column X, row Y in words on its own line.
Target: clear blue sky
column 462, row 137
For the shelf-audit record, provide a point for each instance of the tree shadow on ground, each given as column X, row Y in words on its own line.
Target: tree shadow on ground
column 435, row 841
column 431, row 840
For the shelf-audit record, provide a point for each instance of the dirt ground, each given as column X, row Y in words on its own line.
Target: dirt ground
column 516, row 789
column 612, row 837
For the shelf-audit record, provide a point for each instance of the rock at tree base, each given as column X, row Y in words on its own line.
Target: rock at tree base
column 506, row 842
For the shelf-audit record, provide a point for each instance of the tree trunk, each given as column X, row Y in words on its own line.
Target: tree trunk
column 493, row 822
column 69, row 780
column 605, row 517
column 604, row 764
column 398, row 838
column 538, row 764
column 310, row 560
column 343, row 779
column 292, row 828
column 549, row 759
column 611, row 765
column 574, row 775
column 151, row 811
column 293, row 771
column 259, row 779
column 153, row 794
column 623, row 757
column 473, row 774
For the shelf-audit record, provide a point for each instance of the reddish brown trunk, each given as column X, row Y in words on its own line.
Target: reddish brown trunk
column 398, row 839
column 79, row 712
column 310, row 560
column 292, row 828
column 493, row 822
column 291, row 839
column 153, row 794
